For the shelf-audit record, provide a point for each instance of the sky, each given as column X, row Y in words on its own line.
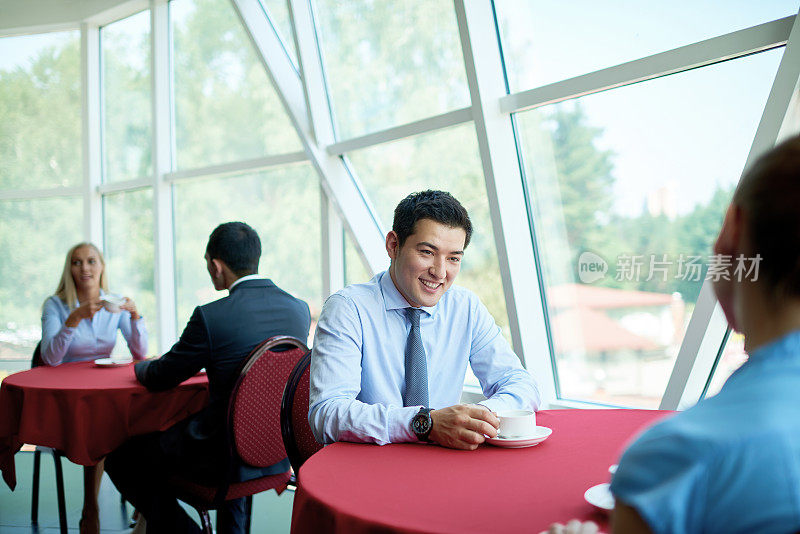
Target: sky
column 705, row 118
column 18, row 51
column 693, row 129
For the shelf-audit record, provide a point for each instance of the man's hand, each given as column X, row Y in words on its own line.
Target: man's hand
column 463, row 426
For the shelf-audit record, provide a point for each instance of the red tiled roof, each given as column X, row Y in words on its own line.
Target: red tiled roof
column 572, row 295
column 593, row 331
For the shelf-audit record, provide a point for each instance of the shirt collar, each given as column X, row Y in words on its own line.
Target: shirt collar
column 245, row 279
column 788, row 345
column 394, row 300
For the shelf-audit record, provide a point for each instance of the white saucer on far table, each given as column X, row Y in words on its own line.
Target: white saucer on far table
column 600, row 497
column 112, row 362
column 541, row 434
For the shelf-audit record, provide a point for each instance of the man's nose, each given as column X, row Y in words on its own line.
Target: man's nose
column 438, row 268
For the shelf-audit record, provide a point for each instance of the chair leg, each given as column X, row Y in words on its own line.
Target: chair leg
column 62, row 506
column 205, row 521
column 249, row 511
column 37, row 460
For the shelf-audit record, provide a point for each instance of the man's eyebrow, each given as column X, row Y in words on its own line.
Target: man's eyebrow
column 434, row 247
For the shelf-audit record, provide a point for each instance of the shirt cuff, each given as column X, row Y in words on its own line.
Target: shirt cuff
column 400, row 424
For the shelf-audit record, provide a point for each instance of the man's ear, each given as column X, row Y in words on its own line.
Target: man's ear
column 218, row 268
column 392, row 244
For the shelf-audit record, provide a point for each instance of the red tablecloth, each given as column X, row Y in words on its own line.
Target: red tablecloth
column 86, row 411
column 355, row 488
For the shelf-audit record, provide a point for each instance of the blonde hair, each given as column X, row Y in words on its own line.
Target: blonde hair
column 66, row 287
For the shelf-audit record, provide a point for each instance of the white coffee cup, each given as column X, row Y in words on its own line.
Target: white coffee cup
column 112, row 303
column 516, row 423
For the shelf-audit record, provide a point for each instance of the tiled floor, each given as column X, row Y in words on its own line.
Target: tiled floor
column 271, row 513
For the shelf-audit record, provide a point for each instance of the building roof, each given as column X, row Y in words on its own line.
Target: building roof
column 593, row 331
column 572, row 295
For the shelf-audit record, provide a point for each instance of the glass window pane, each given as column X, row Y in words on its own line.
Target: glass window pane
column 35, row 235
column 278, row 13
column 628, row 189
column 446, row 160
column 125, row 47
column 355, row 272
column 226, row 109
column 733, row 356
column 276, row 204
column 389, row 63
column 40, row 111
column 130, row 261
column 540, row 48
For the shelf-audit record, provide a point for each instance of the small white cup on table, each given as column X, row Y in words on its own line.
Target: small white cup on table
column 516, row 424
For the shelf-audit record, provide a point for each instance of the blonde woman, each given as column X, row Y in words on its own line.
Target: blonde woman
column 76, row 327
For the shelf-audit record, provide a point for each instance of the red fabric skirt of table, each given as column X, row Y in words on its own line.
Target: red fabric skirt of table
column 357, row 488
column 86, row 411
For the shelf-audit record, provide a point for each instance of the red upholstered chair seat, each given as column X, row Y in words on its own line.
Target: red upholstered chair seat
column 254, row 424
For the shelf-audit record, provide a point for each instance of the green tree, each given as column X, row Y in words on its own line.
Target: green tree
column 389, row 63
column 40, row 147
column 697, row 231
column 225, row 106
column 585, row 176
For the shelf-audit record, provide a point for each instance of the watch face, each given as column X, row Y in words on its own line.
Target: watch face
column 420, row 424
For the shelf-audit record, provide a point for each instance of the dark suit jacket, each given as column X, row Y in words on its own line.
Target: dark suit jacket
column 219, row 337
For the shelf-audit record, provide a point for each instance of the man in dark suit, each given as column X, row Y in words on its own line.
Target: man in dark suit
column 219, row 337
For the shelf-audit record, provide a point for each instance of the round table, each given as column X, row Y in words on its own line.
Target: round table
column 356, row 488
column 86, row 411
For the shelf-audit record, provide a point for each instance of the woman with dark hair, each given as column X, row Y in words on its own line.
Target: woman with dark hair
column 732, row 462
column 76, row 326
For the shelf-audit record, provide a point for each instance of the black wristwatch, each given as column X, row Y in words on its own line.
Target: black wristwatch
column 422, row 423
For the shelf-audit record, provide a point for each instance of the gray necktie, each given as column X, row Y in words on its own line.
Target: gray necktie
column 416, row 393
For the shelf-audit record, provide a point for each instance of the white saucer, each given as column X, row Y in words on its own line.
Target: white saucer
column 541, row 434
column 111, row 362
column 600, row 497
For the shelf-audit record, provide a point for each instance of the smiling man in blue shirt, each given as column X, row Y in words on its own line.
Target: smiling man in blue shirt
column 366, row 339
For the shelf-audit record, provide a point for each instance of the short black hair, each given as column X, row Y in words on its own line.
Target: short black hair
column 236, row 244
column 438, row 206
column 770, row 192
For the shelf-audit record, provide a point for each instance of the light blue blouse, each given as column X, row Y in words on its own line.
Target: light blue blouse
column 729, row 464
column 91, row 339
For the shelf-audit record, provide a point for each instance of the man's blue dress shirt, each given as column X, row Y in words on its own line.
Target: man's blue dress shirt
column 92, row 338
column 357, row 364
column 729, row 464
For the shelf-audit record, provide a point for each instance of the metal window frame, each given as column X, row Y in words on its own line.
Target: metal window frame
column 343, row 203
column 163, row 162
column 91, row 121
column 504, row 187
column 301, row 100
column 701, row 54
column 707, row 328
